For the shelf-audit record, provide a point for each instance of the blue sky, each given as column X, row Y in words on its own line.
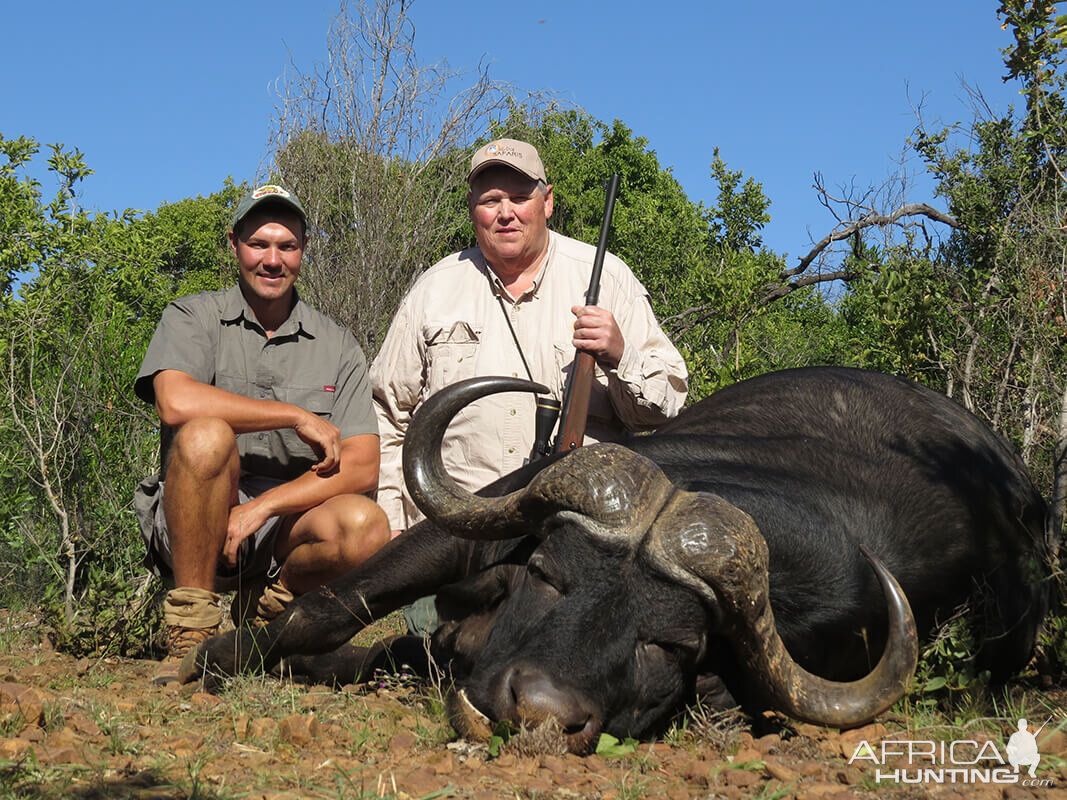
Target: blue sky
column 166, row 99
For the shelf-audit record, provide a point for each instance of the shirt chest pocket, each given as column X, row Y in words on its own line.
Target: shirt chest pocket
column 451, row 353
column 318, row 401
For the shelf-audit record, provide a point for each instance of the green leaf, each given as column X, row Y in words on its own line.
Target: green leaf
column 502, row 732
column 610, row 747
column 934, row 684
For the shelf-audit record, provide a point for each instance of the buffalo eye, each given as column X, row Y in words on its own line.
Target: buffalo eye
column 536, row 570
column 680, row 652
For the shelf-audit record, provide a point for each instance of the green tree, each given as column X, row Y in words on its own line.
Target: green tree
column 72, row 333
column 740, row 213
column 374, row 142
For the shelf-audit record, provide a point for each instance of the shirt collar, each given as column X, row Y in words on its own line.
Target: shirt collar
column 235, row 308
column 538, row 278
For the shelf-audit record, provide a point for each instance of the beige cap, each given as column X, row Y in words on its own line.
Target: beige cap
column 511, row 153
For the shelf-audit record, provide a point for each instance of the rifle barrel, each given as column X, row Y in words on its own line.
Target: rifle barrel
column 592, row 296
column 579, row 384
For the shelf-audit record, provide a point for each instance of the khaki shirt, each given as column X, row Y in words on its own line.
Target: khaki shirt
column 310, row 362
column 451, row 326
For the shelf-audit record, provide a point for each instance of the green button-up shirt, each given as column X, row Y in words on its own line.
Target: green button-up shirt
column 310, row 362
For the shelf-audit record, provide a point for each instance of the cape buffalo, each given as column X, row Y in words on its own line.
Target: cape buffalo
column 750, row 544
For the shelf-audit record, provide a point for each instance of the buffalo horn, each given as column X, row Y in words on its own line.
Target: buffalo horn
column 612, row 491
column 433, row 490
column 717, row 549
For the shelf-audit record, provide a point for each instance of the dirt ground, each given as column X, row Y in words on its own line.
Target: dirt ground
column 85, row 729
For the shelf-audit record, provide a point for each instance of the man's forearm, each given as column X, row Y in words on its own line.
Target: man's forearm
column 646, row 391
column 180, row 398
column 357, row 474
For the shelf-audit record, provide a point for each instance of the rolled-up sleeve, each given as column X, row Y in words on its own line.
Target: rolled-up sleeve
column 181, row 341
column 650, row 383
column 352, row 409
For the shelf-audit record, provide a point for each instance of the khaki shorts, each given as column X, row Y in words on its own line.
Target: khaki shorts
column 255, row 558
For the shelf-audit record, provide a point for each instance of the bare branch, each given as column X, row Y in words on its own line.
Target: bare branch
column 867, row 221
column 375, row 144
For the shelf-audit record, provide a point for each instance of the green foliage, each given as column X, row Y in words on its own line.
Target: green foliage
column 887, row 313
column 1052, row 647
column 188, row 238
column 503, row 732
column 945, row 680
column 73, row 437
column 115, row 614
column 739, row 215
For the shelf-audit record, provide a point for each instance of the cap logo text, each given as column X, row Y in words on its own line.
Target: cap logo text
column 263, row 191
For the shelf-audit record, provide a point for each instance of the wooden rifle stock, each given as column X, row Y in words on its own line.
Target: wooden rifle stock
column 580, row 383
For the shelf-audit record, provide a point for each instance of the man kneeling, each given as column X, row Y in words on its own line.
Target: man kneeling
column 269, row 439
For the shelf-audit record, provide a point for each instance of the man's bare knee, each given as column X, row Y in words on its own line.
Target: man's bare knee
column 361, row 528
column 204, row 446
column 367, row 516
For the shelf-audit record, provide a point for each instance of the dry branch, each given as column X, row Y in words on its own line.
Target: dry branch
column 867, row 221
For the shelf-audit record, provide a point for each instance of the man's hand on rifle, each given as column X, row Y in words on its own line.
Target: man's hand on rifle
column 597, row 333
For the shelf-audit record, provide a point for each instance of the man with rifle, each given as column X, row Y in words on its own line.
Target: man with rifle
column 515, row 305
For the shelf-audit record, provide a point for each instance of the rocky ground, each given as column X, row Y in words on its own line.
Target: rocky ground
column 86, row 729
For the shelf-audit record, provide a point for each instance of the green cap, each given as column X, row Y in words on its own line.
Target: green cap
column 268, row 193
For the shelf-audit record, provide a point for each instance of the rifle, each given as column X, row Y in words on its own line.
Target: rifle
column 580, row 381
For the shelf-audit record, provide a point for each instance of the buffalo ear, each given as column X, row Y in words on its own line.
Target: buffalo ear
column 712, row 547
column 482, row 591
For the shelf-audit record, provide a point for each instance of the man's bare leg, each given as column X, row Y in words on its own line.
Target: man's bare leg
column 323, row 543
column 327, row 541
column 201, row 486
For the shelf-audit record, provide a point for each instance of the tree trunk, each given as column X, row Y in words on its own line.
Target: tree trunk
column 1059, row 490
column 1031, row 420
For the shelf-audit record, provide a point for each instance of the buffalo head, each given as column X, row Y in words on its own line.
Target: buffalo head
column 630, row 588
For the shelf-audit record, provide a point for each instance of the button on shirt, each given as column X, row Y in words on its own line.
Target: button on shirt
column 310, row 362
column 451, row 326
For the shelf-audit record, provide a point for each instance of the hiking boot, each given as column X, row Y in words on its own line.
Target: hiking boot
column 178, row 642
column 245, row 602
column 259, row 603
column 190, row 617
column 274, row 600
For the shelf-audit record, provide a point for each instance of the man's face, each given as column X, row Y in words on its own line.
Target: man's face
column 510, row 217
column 269, row 246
